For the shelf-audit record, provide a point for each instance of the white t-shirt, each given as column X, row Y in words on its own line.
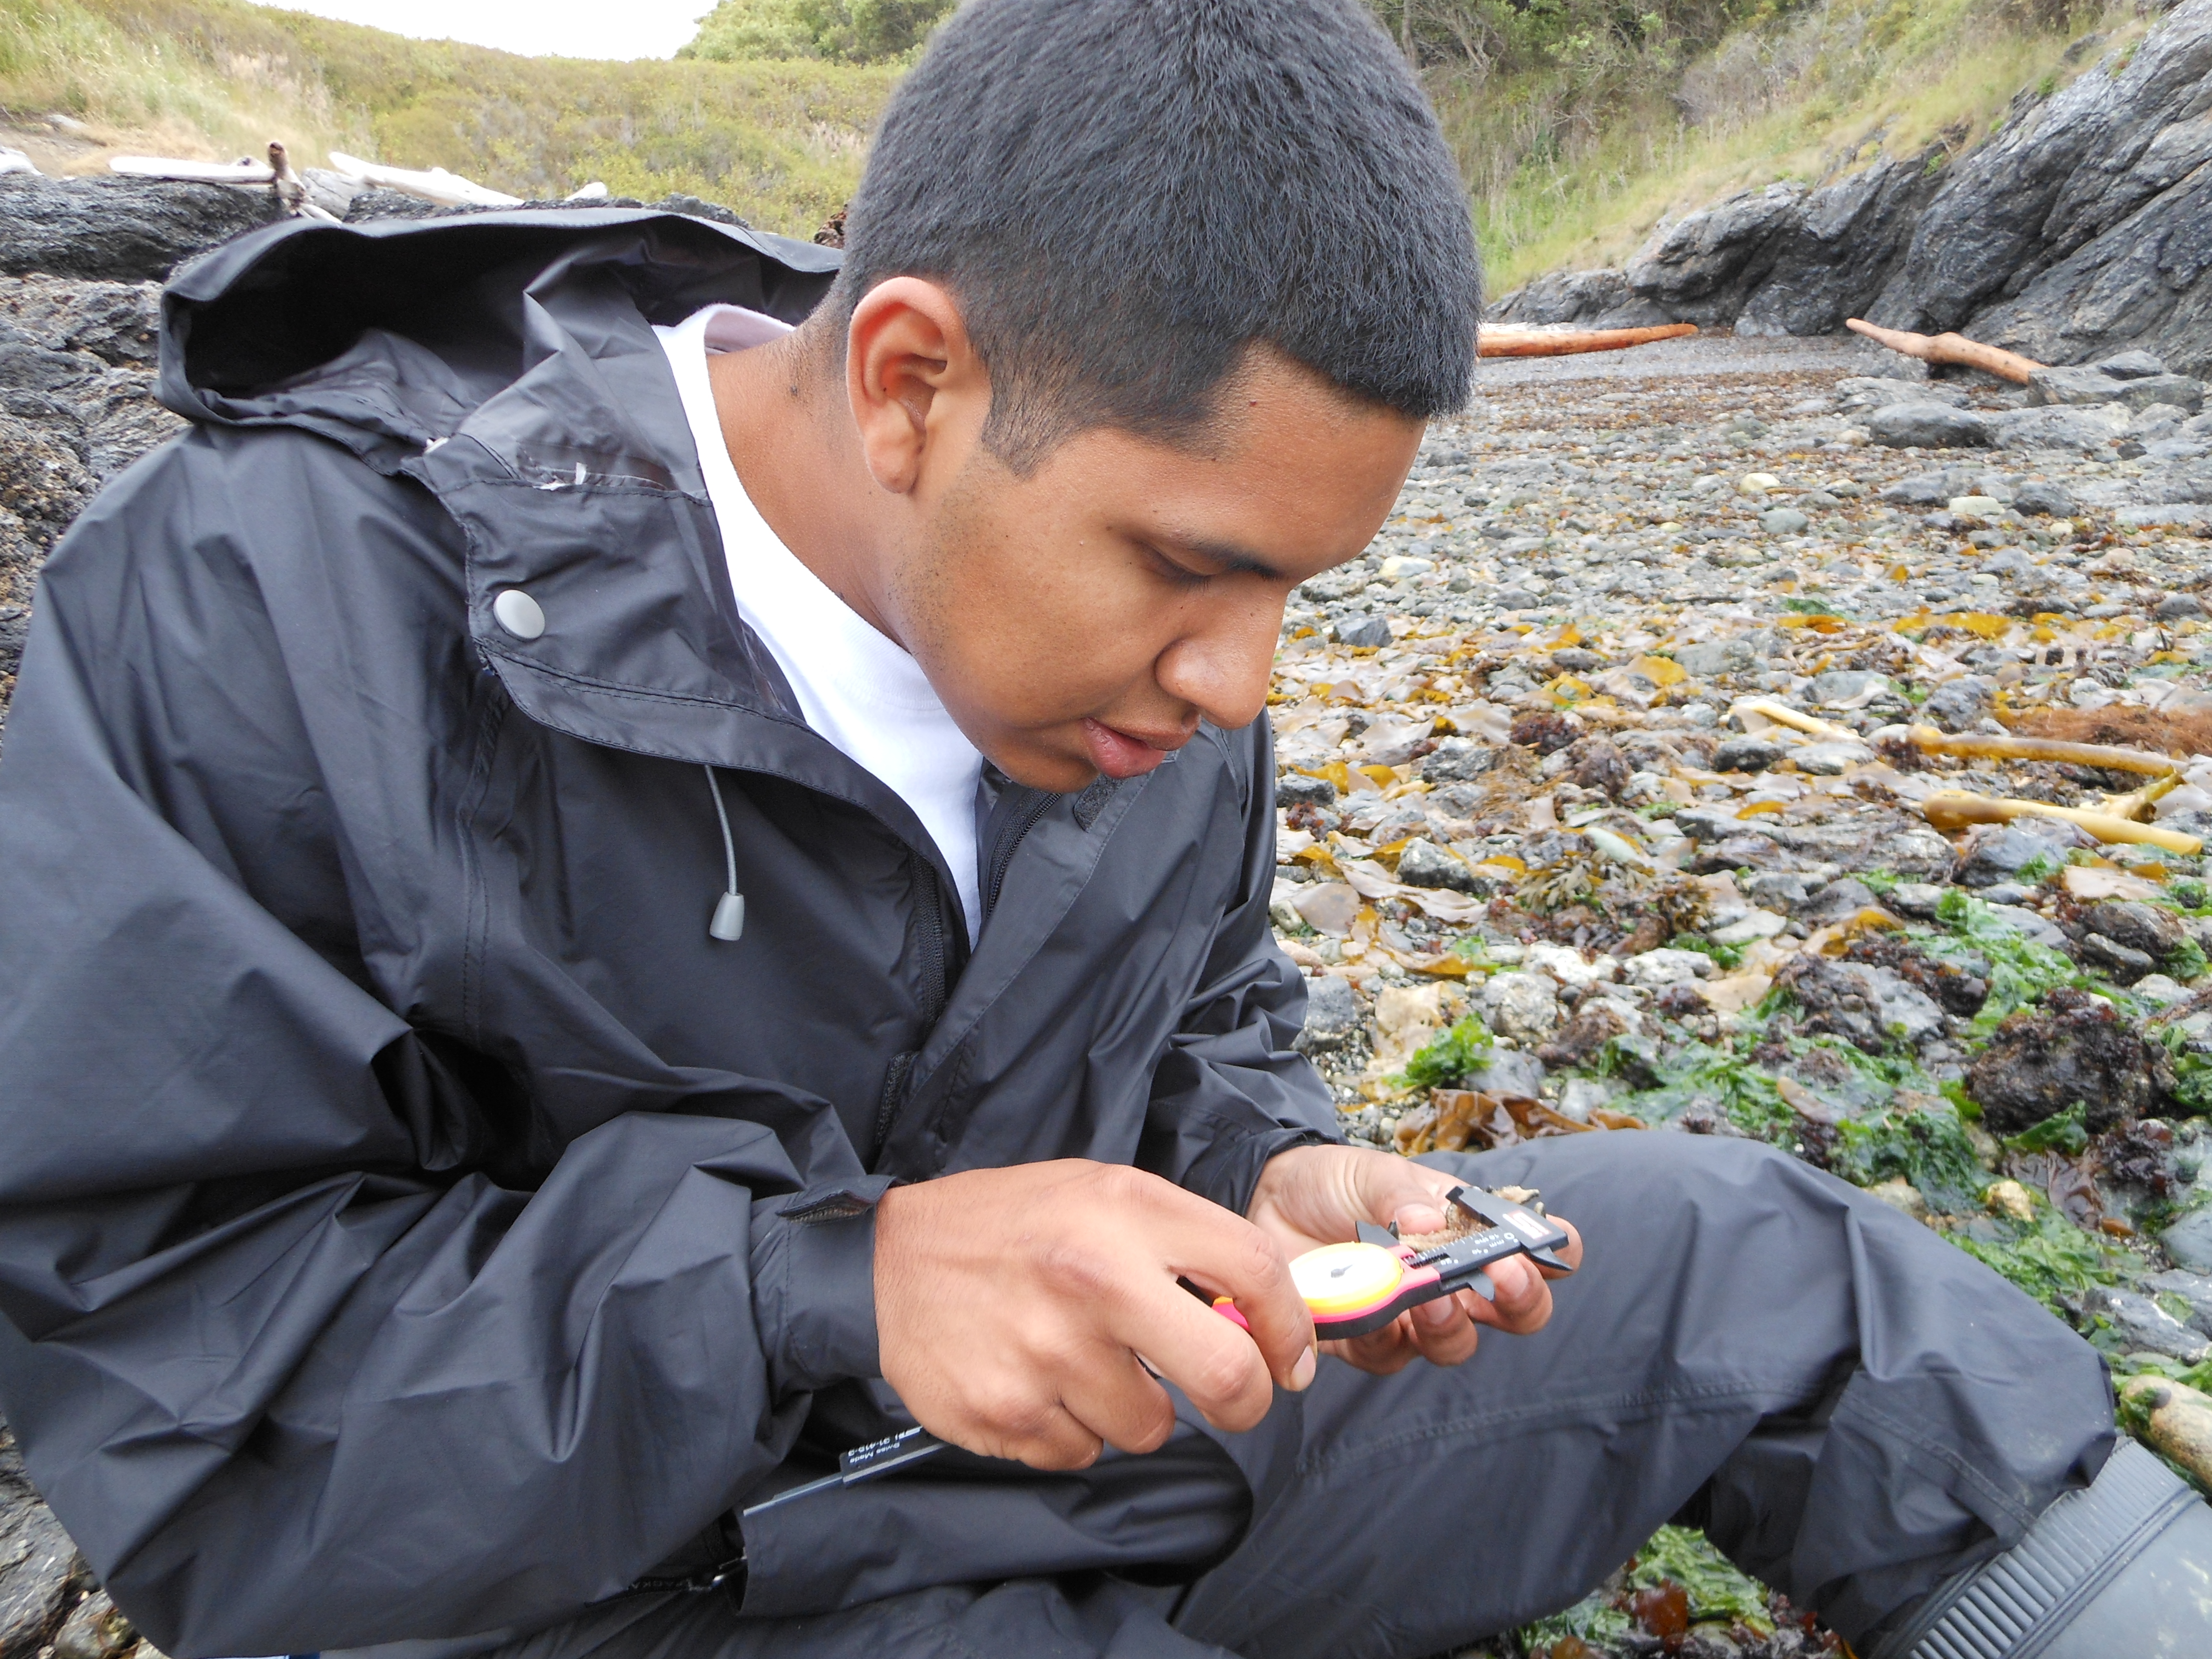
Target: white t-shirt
column 858, row 688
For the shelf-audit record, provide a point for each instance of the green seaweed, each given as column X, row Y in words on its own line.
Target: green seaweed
column 2050, row 1258
column 1716, row 1589
column 1883, row 883
column 2038, row 870
column 1928, row 1147
column 2062, row 1132
column 2186, row 961
column 1593, row 1620
column 2020, row 970
column 1955, row 1091
column 1727, row 956
column 1448, row 1058
column 2192, row 1071
column 1729, row 1080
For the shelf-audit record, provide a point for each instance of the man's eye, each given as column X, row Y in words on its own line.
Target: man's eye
column 1181, row 574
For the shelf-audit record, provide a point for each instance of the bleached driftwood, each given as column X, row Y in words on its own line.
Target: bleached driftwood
column 1783, row 715
column 1949, row 348
column 291, row 194
column 192, row 172
column 1503, row 341
column 446, row 188
column 291, row 189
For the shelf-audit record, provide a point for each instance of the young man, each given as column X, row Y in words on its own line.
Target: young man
column 604, row 899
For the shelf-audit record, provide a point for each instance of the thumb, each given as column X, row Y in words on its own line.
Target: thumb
column 1409, row 1195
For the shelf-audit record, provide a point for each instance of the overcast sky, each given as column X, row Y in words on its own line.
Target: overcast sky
column 537, row 28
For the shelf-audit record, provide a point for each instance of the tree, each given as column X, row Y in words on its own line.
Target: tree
column 842, row 31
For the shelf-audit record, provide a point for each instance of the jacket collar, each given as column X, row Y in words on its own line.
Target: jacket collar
column 506, row 362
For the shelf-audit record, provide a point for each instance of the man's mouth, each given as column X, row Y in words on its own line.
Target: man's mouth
column 1123, row 755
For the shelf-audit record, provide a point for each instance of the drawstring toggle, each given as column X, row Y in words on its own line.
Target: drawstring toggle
column 728, row 923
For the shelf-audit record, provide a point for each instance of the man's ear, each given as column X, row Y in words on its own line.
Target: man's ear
column 917, row 388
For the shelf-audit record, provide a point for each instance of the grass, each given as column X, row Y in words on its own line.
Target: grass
column 1572, row 166
column 782, row 142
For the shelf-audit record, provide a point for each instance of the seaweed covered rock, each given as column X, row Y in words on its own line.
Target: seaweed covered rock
column 1998, row 852
column 1961, row 986
column 1872, row 1008
column 2077, row 1048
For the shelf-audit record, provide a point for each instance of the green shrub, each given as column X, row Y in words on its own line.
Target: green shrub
column 842, row 31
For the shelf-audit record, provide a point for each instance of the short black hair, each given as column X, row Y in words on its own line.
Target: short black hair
column 1125, row 195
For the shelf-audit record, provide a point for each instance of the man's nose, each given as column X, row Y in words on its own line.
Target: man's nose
column 1222, row 667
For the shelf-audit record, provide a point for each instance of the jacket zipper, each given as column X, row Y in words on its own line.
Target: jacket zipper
column 929, row 925
column 930, row 919
column 1010, row 840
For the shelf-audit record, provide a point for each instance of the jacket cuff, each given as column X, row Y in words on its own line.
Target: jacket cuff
column 1228, row 1172
column 814, row 1283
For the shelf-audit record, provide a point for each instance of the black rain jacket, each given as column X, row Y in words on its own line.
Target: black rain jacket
column 412, row 1223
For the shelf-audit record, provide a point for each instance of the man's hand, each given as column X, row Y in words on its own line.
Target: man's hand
column 1011, row 1306
column 1315, row 1195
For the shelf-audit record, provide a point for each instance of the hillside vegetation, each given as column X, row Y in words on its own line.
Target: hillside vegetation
column 1580, row 124
column 781, row 141
column 845, row 31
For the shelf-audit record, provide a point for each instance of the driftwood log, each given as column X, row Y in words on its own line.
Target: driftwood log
column 1949, row 348
column 436, row 185
column 1567, row 342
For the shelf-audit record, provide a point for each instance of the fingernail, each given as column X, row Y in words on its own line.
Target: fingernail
column 1421, row 1218
column 1302, row 1374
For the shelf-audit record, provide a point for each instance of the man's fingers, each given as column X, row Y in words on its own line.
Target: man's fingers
column 1523, row 1301
column 1226, row 1256
column 1110, row 1395
column 1212, row 1360
column 1443, row 1329
column 1379, row 1353
column 1021, row 1427
column 1410, row 1195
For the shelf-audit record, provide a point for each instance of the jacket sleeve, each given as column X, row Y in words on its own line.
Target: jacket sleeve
column 1231, row 1091
column 293, row 1364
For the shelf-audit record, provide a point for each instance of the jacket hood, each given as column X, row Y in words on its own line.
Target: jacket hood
column 388, row 335
column 505, row 362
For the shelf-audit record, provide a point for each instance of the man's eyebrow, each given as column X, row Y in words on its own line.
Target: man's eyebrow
column 1241, row 560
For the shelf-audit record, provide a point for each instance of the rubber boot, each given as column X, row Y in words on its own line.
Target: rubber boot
column 2120, row 1571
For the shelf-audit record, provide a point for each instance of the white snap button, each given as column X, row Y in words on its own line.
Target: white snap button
column 519, row 614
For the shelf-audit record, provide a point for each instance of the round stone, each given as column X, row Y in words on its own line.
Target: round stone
column 519, row 614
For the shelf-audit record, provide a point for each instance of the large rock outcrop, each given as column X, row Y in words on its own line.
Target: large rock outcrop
column 77, row 407
column 2083, row 227
column 118, row 229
